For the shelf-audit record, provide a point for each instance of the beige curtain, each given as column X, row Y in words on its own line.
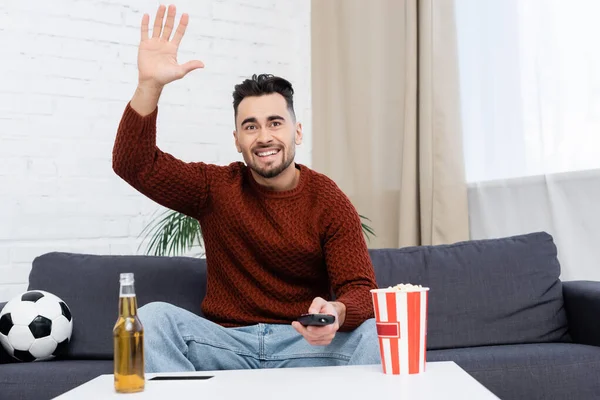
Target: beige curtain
column 386, row 123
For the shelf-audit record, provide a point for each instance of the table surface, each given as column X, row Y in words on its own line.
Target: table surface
column 441, row 380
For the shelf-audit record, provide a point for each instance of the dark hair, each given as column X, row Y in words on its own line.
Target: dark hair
column 263, row 84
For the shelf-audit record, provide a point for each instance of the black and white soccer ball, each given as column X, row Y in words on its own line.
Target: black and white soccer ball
column 35, row 326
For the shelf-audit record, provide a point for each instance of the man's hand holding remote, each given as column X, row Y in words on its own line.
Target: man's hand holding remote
column 322, row 335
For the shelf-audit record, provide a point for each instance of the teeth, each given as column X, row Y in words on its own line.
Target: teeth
column 267, row 153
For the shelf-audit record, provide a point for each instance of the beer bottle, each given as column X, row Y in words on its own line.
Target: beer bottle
column 128, row 337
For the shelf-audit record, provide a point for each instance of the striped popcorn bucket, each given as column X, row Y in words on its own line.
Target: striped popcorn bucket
column 401, row 318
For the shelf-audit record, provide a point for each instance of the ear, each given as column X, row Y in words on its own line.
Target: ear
column 237, row 143
column 298, row 135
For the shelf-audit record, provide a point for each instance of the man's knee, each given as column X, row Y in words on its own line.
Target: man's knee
column 155, row 312
column 156, row 306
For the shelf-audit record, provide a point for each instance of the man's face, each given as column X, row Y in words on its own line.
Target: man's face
column 266, row 134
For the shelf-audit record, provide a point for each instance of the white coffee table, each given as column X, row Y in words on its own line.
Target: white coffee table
column 441, row 380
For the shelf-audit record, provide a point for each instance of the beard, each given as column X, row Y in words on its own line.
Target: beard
column 272, row 170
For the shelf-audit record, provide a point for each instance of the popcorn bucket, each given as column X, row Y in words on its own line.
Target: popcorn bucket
column 401, row 317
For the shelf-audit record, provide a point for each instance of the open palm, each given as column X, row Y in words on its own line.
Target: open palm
column 157, row 55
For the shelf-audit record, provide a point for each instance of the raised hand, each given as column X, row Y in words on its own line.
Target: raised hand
column 157, row 54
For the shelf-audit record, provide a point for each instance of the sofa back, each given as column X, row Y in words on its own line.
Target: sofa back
column 483, row 292
column 89, row 284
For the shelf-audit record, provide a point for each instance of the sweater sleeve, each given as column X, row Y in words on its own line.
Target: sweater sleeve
column 180, row 186
column 348, row 262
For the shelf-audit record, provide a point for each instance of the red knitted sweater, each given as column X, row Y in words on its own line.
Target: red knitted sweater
column 268, row 253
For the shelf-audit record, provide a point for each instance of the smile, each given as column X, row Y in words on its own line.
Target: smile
column 267, row 153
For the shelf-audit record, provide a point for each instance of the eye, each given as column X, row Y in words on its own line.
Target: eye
column 276, row 123
column 248, row 127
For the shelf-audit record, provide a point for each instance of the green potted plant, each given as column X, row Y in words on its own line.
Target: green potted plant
column 173, row 233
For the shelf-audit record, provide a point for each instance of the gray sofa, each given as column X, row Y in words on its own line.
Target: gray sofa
column 497, row 308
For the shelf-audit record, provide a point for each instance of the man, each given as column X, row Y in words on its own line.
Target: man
column 279, row 237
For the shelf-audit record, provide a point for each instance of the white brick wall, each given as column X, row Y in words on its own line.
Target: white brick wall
column 69, row 67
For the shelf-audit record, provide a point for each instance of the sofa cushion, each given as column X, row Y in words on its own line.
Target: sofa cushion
column 89, row 284
column 484, row 292
column 48, row 379
column 545, row 371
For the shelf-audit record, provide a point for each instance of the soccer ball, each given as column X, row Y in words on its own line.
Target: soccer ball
column 35, row 326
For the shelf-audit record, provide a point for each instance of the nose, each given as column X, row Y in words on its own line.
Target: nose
column 264, row 136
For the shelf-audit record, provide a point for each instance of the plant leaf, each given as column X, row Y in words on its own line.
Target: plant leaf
column 172, row 233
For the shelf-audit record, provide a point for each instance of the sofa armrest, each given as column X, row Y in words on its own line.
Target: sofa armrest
column 4, row 357
column 582, row 303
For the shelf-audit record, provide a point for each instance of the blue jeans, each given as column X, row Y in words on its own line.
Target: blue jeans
column 177, row 340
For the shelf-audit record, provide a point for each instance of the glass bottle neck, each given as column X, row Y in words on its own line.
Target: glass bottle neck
column 127, row 290
column 127, row 301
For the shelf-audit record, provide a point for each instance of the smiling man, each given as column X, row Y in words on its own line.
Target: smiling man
column 280, row 238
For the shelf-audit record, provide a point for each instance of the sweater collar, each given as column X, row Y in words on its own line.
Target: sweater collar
column 277, row 193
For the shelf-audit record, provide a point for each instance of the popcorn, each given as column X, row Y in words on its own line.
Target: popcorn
column 406, row 287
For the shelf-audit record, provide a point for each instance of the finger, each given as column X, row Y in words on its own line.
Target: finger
column 316, row 306
column 145, row 21
column 300, row 328
column 303, row 330
column 320, row 335
column 183, row 23
column 319, row 330
column 192, row 65
column 166, row 34
column 158, row 21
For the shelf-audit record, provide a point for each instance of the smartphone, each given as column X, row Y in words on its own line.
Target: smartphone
column 179, row 378
column 316, row 319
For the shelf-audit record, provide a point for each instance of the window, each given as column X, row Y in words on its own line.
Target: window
column 530, row 86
